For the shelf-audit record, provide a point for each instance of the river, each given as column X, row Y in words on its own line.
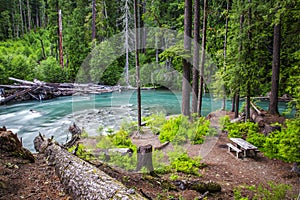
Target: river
column 93, row 112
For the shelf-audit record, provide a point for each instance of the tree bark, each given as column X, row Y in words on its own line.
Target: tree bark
column 273, row 107
column 93, row 20
column 186, row 87
column 21, row 17
column 201, row 88
column 225, row 52
column 137, row 64
column 144, row 158
column 248, row 92
column 196, row 56
column 233, row 103
column 60, row 42
column 81, row 179
column 29, row 16
column 237, row 104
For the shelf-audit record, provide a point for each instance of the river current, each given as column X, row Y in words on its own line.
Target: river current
column 94, row 113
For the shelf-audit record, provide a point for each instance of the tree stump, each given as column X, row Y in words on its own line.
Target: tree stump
column 144, row 158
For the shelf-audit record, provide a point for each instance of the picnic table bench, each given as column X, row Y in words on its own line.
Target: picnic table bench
column 241, row 146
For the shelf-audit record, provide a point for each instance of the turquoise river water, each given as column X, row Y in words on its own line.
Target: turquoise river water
column 93, row 112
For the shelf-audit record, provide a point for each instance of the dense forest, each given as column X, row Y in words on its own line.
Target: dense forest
column 252, row 45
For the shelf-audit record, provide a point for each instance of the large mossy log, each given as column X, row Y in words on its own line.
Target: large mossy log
column 81, row 179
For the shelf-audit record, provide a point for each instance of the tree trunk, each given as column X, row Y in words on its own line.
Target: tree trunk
column 29, row 16
column 233, row 103
column 273, row 107
column 21, row 18
column 144, row 158
column 201, row 88
column 81, row 179
column 196, row 56
column 186, row 87
column 237, row 104
column 225, row 52
column 93, row 20
column 249, row 53
column 60, row 43
column 137, row 64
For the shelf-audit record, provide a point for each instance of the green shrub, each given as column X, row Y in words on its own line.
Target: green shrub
column 224, row 122
column 179, row 129
column 82, row 152
column 200, row 128
column 159, row 165
column 272, row 191
column 174, row 130
column 181, row 162
column 121, row 139
column 155, row 122
column 257, row 139
column 241, row 129
column 285, row 144
column 127, row 162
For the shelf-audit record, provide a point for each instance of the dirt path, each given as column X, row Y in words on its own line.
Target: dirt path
column 20, row 179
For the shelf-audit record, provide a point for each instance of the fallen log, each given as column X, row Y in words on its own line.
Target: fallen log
column 17, row 94
column 81, row 179
column 162, row 146
column 256, row 109
column 257, row 118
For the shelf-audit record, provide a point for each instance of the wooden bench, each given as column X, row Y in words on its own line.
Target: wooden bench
column 231, row 148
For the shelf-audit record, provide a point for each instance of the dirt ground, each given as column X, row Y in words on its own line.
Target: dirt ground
column 20, row 179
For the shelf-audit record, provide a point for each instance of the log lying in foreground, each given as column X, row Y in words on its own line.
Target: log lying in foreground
column 81, row 179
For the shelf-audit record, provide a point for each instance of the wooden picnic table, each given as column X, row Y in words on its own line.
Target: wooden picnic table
column 245, row 146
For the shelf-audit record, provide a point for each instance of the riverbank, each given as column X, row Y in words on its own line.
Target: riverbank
column 20, row 179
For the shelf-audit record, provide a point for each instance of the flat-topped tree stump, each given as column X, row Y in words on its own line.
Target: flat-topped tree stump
column 81, row 179
column 144, row 158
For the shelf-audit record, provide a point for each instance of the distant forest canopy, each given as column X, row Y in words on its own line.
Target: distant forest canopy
column 239, row 41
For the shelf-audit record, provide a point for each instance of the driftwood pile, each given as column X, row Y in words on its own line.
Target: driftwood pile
column 38, row 90
column 81, row 179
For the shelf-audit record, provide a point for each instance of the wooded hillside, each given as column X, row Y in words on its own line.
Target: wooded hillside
column 254, row 45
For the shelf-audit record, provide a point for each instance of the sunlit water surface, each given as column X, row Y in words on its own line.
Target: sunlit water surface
column 94, row 112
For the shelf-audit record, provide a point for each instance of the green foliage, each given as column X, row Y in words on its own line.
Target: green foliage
column 49, row 70
column 129, row 126
column 155, row 122
column 179, row 129
column 241, row 129
column 159, row 162
column 84, row 134
column 121, row 139
column 82, row 152
column 105, row 142
column 272, row 191
column 257, row 139
column 181, row 162
column 127, row 162
column 224, row 122
column 285, row 144
column 174, row 130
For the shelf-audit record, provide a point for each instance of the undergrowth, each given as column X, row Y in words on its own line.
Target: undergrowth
column 272, row 191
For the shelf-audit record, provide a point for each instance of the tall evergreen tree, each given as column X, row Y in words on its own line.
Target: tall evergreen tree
column 185, row 106
column 196, row 56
